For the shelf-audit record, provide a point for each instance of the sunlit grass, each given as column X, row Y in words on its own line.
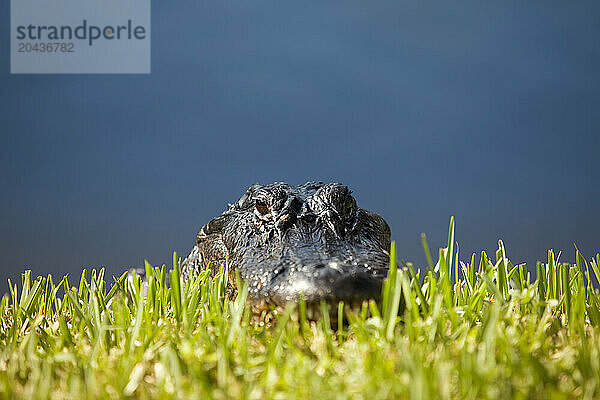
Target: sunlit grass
column 482, row 328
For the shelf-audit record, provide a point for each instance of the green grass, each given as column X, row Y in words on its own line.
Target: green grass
column 474, row 329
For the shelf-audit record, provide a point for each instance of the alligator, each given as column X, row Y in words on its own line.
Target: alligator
column 286, row 241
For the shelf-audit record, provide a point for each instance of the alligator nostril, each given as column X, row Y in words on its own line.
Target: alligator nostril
column 278, row 271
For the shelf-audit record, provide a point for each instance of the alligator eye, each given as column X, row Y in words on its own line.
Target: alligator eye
column 349, row 207
column 261, row 207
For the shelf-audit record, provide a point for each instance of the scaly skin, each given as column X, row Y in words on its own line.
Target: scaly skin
column 285, row 240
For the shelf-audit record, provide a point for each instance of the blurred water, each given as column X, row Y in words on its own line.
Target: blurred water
column 484, row 111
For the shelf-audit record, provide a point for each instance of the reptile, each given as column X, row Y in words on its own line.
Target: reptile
column 286, row 241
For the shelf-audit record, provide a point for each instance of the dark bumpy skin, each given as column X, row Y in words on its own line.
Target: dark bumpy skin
column 284, row 240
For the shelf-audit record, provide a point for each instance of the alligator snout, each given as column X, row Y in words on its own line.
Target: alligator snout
column 287, row 241
column 326, row 281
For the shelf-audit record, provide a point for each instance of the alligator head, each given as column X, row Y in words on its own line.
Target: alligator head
column 286, row 240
